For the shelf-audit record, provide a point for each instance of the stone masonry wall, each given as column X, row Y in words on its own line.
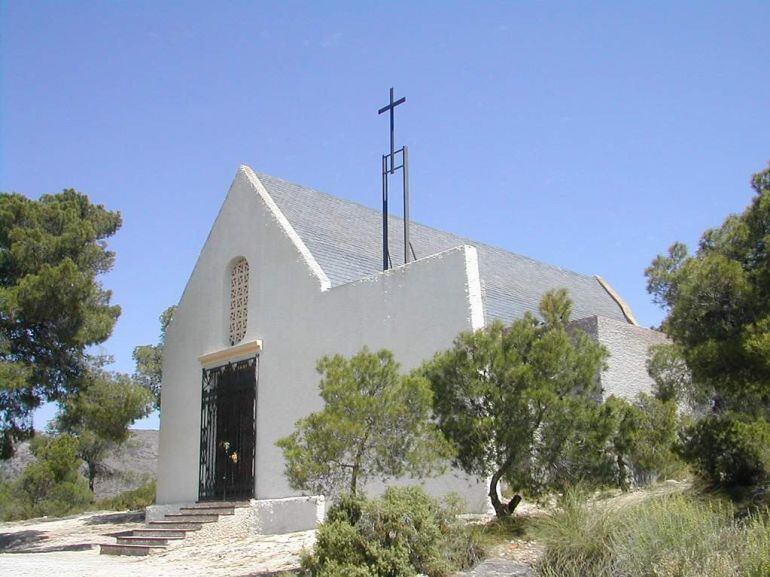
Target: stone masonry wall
column 626, row 374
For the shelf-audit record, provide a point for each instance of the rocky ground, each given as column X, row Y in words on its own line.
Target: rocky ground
column 69, row 546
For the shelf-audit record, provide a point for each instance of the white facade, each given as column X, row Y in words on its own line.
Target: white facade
column 294, row 316
column 413, row 310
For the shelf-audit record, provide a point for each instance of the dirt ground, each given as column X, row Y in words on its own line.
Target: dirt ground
column 68, row 547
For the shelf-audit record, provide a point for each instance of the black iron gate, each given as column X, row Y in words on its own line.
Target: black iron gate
column 228, row 431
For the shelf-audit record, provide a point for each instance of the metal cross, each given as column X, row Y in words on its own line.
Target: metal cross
column 391, row 107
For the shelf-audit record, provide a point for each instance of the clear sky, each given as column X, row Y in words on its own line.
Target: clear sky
column 586, row 135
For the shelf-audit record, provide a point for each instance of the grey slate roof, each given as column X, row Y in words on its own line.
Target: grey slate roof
column 345, row 239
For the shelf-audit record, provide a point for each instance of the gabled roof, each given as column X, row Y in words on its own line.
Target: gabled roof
column 345, row 239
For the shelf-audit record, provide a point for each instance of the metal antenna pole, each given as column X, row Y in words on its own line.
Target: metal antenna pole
column 389, row 167
column 405, row 164
column 385, row 255
column 392, row 132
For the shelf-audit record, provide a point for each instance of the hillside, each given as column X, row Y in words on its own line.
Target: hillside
column 132, row 465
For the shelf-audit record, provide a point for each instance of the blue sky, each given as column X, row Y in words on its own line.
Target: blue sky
column 586, row 135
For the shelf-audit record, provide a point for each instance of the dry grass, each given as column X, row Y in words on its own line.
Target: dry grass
column 658, row 533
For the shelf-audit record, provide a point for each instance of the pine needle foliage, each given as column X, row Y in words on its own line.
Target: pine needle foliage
column 375, row 424
column 52, row 306
column 519, row 403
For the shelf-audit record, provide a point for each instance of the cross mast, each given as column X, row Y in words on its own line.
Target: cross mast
column 388, row 168
column 391, row 108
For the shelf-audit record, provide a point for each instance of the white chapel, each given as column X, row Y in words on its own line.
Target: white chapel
column 289, row 274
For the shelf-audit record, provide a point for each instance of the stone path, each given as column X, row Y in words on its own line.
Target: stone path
column 498, row 568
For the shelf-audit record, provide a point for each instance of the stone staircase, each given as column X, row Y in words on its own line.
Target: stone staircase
column 173, row 527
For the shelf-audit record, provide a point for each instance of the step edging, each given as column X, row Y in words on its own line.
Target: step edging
column 138, row 550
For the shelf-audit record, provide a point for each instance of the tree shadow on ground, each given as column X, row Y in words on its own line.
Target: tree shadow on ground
column 21, row 541
column 31, row 541
column 59, row 548
column 277, row 573
column 114, row 518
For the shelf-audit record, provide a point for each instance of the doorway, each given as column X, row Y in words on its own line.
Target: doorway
column 228, row 431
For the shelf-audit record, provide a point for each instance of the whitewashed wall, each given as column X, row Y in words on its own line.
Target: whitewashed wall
column 413, row 310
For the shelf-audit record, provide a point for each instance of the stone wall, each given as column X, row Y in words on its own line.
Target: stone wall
column 626, row 373
column 260, row 517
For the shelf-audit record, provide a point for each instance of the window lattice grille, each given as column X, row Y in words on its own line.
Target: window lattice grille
column 239, row 300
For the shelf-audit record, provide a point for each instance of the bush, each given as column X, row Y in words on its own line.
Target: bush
column 347, row 509
column 578, row 540
column 49, row 485
column 678, row 536
column 403, row 533
column 52, row 485
column 729, row 450
column 652, row 454
column 65, row 498
column 671, row 536
column 132, row 500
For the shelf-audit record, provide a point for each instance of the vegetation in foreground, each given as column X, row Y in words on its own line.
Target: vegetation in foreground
column 717, row 302
column 13, row 509
column 513, row 404
column 53, row 311
column 401, row 534
column 53, row 485
column 52, row 305
column 675, row 535
column 375, row 424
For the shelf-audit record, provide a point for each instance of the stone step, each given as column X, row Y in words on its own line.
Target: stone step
column 128, row 549
column 208, row 504
column 191, row 518
column 208, row 510
column 162, row 533
column 177, row 525
column 142, row 540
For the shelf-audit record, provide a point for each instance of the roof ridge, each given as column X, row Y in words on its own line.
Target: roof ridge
column 465, row 240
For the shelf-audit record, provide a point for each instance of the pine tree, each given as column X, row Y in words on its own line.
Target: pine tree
column 52, row 306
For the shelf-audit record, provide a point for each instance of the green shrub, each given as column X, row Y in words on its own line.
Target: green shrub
column 132, row 500
column 652, row 453
column 403, row 533
column 347, row 508
column 52, row 485
column 65, row 498
column 49, row 485
column 729, row 450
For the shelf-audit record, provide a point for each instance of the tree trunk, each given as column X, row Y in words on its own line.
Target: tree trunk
column 354, row 480
column 622, row 473
column 91, row 475
column 357, row 463
column 514, row 503
column 501, row 509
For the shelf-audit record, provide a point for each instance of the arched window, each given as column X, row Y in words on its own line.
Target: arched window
column 239, row 300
